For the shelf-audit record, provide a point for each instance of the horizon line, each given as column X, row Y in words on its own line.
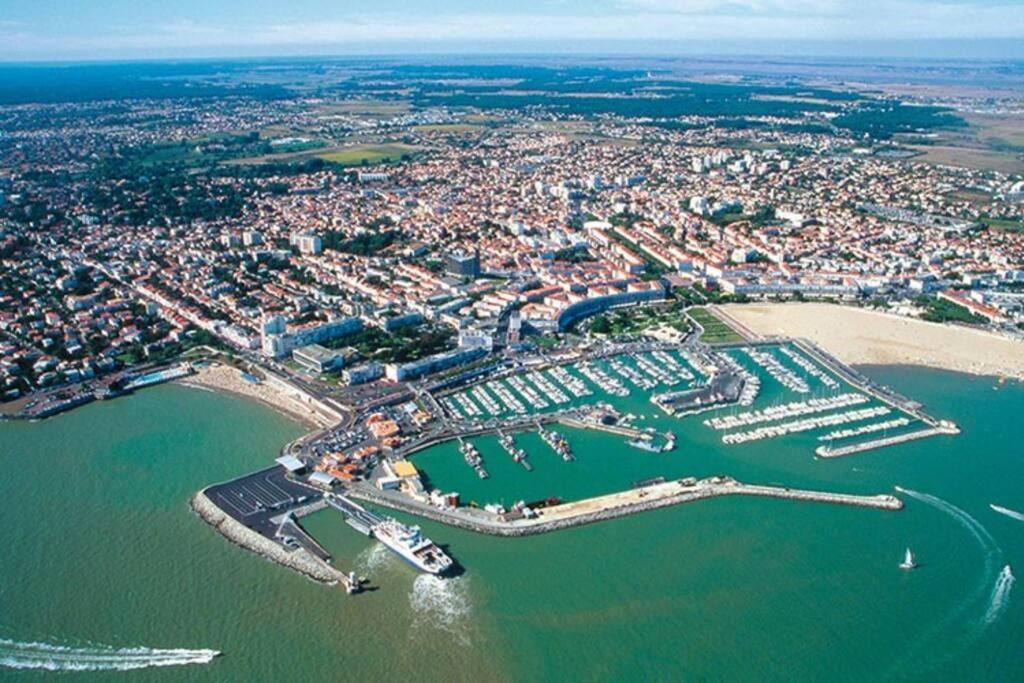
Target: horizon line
column 543, row 54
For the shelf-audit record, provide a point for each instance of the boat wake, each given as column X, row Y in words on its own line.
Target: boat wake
column 442, row 603
column 52, row 657
column 980, row 533
column 1000, row 595
column 975, row 597
column 1013, row 514
column 372, row 559
column 970, row 523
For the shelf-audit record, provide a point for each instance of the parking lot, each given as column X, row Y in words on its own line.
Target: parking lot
column 255, row 498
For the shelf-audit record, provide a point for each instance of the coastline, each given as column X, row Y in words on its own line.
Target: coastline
column 226, row 379
column 860, row 336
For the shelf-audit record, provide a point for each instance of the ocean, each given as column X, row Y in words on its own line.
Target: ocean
column 104, row 568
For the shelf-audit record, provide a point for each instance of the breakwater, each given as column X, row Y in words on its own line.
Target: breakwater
column 613, row 505
column 299, row 560
column 849, row 449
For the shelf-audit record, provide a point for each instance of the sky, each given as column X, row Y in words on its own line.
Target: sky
column 45, row 30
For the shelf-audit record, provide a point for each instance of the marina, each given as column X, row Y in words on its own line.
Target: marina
column 809, row 367
column 830, row 451
column 557, row 443
column 606, row 466
column 777, row 370
column 865, row 429
column 495, row 420
column 472, row 457
column 528, row 342
column 804, row 425
column 786, row 410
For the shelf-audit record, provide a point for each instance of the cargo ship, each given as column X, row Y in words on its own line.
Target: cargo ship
column 408, row 543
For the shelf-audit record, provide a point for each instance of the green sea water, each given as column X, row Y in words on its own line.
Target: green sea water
column 98, row 549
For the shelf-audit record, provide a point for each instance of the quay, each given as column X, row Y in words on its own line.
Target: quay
column 611, row 506
column 849, row 449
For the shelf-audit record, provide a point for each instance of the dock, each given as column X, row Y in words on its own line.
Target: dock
column 357, row 517
column 518, row 454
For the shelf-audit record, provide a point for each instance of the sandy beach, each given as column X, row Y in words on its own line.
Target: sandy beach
column 861, row 336
column 228, row 379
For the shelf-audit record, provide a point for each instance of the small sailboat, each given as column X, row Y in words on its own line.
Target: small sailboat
column 908, row 561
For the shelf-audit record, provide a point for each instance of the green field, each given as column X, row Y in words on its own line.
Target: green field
column 364, row 155
column 1004, row 224
column 715, row 331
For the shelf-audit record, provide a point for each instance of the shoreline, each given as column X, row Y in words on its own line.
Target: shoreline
column 225, row 379
column 860, row 336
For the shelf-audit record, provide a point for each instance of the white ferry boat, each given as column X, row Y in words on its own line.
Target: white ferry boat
column 411, row 546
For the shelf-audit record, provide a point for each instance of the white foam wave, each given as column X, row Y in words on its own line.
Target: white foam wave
column 372, row 558
column 970, row 523
column 442, row 603
column 52, row 657
column 1013, row 514
column 1000, row 595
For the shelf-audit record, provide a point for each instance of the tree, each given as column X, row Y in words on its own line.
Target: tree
column 601, row 325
